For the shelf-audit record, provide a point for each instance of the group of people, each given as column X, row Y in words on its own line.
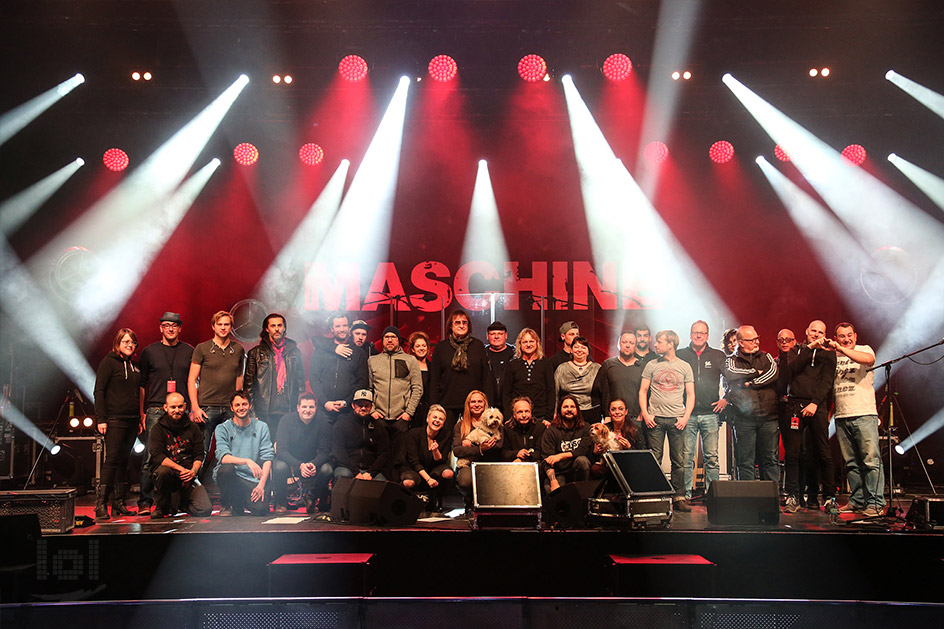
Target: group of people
column 410, row 412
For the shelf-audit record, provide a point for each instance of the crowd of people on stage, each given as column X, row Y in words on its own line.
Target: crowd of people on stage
column 419, row 414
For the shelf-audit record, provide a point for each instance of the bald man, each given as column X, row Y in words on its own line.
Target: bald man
column 175, row 446
column 809, row 375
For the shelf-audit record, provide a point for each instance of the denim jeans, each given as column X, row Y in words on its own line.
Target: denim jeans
column 707, row 426
column 761, row 436
column 151, row 416
column 216, row 415
column 655, row 437
column 858, row 442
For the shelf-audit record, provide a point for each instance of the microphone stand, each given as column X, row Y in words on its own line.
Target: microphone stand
column 888, row 397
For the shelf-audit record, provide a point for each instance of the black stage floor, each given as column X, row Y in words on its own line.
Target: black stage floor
column 805, row 557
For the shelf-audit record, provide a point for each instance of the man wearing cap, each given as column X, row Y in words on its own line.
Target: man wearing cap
column 359, row 330
column 359, row 443
column 164, row 369
column 569, row 330
column 499, row 352
column 275, row 374
column 337, row 369
column 396, row 381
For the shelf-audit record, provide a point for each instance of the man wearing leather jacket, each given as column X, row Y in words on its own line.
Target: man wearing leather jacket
column 275, row 374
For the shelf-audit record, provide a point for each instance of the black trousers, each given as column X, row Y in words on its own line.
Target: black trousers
column 119, row 440
column 818, row 427
column 170, row 494
column 235, row 491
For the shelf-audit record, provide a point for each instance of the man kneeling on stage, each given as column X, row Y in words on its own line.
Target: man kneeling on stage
column 244, row 456
column 175, row 446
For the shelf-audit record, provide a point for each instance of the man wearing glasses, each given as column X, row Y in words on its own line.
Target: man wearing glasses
column 706, row 363
column 165, row 366
column 751, row 378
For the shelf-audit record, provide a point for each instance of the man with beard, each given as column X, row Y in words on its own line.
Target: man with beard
column 175, row 448
column 620, row 377
column 857, row 423
column 666, row 401
column 810, row 374
column 523, row 435
column 303, row 452
column 337, row 369
column 360, row 444
column 359, row 331
column 244, row 456
column 569, row 330
column 396, row 383
column 566, row 446
column 275, row 374
column 644, row 353
column 750, row 377
column 165, row 366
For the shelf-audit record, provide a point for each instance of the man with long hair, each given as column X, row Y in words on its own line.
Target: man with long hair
column 566, row 445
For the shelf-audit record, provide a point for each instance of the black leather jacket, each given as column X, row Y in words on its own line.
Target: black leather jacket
column 260, row 380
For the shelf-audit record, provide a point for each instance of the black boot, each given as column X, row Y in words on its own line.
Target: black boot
column 118, row 507
column 101, row 503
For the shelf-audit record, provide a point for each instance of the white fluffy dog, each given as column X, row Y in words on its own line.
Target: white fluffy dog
column 601, row 435
column 489, row 428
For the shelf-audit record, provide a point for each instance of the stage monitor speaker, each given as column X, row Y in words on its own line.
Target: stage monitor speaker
column 566, row 506
column 381, row 503
column 926, row 513
column 341, row 500
column 743, row 502
column 506, row 486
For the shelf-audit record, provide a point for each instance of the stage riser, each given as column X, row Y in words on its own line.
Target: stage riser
column 753, row 564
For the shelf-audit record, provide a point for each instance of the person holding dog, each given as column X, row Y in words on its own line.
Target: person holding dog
column 476, row 403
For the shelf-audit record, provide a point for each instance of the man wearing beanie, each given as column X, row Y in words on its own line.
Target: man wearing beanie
column 396, row 382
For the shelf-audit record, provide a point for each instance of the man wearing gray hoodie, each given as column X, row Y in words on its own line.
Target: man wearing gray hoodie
column 396, row 381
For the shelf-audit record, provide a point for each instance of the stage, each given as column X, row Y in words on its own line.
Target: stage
column 804, row 557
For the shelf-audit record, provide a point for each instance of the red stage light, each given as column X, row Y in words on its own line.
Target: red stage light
column 246, row 154
column 311, row 154
column 721, row 152
column 353, row 68
column 532, row 68
column 781, row 154
column 656, row 152
column 115, row 159
column 442, row 68
column 617, row 67
column 855, row 154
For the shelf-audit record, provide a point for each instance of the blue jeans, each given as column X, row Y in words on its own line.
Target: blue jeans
column 655, row 437
column 216, row 415
column 761, row 436
column 858, row 442
column 151, row 416
column 707, row 425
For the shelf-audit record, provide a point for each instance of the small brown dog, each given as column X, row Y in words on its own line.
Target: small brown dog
column 601, row 435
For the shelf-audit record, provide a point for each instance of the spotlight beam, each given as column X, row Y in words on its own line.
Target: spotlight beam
column 927, row 97
column 19, row 208
column 618, row 213
column 283, row 281
column 13, row 121
column 484, row 239
column 29, row 310
column 360, row 235
column 929, row 183
column 13, row 415
column 106, row 292
column 923, row 431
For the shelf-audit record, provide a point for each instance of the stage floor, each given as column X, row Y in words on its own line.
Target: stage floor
column 804, row 557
